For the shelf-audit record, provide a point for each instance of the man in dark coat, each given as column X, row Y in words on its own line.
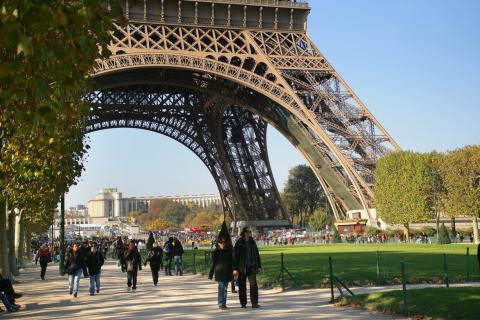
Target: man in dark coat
column 94, row 262
column 168, row 249
column 156, row 262
column 177, row 256
column 43, row 255
column 246, row 264
column 133, row 262
column 7, row 288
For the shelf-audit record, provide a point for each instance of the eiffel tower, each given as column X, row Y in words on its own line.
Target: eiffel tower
column 212, row 74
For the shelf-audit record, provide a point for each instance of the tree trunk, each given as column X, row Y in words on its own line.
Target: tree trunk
column 3, row 240
column 19, row 239
column 406, row 232
column 475, row 229
column 12, row 259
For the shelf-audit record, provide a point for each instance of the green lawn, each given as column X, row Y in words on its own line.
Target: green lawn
column 438, row 303
column 356, row 264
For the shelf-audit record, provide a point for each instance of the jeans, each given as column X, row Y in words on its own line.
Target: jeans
column 168, row 266
column 74, row 280
column 132, row 278
column 178, row 265
column 5, row 301
column 94, row 282
column 242, row 287
column 222, row 293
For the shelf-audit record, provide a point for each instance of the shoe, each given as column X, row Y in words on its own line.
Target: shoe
column 98, row 290
column 243, row 306
column 71, row 292
column 75, row 294
column 18, row 295
column 92, row 294
column 223, row 307
column 234, row 291
column 255, row 306
column 134, row 290
column 129, row 289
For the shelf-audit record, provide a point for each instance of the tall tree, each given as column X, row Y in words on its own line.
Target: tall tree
column 403, row 189
column 302, row 194
column 460, row 173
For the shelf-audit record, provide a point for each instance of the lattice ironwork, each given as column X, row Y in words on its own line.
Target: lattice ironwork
column 279, row 72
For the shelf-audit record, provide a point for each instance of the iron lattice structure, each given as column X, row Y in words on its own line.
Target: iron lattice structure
column 212, row 75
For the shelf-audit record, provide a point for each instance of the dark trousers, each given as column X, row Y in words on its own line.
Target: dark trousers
column 132, row 278
column 242, row 287
column 6, row 286
column 43, row 266
column 155, row 275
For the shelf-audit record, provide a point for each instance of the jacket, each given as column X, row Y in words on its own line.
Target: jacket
column 222, row 265
column 240, row 255
column 155, row 259
column 133, row 260
column 94, row 262
column 177, row 248
column 74, row 262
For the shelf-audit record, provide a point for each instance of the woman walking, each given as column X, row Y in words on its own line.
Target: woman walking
column 222, row 265
column 133, row 263
column 43, row 255
column 74, row 266
column 156, row 262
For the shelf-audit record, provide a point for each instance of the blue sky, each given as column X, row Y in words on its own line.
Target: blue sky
column 414, row 63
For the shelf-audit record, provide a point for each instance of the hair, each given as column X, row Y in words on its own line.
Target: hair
column 245, row 229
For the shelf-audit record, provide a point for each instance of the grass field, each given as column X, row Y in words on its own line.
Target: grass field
column 356, row 265
column 438, row 303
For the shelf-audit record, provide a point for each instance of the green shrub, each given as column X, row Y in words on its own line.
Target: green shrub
column 443, row 235
column 336, row 236
column 371, row 231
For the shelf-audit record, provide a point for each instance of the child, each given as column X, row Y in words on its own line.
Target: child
column 222, row 267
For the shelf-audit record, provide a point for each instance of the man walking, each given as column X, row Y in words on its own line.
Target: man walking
column 177, row 256
column 246, row 265
column 168, row 249
column 94, row 262
column 43, row 255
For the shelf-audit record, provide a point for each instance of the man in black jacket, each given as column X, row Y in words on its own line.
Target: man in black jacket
column 94, row 262
column 246, row 265
column 168, row 249
column 177, row 256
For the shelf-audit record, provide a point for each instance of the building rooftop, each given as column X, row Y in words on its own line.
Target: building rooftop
column 283, row 3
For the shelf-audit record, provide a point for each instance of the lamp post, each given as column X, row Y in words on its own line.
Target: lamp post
column 62, row 233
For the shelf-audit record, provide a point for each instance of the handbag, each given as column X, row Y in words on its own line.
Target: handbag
column 129, row 265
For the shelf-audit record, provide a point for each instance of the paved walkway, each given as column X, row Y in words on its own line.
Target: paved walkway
column 184, row 297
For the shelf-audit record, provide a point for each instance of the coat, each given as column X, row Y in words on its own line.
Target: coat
column 94, row 262
column 240, row 255
column 177, row 248
column 155, row 259
column 222, row 265
column 74, row 262
column 133, row 260
column 43, row 255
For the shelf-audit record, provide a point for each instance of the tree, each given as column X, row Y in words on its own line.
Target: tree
column 302, row 194
column 403, row 189
column 336, row 236
column 175, row 213
column 460, row 175
column 46, row 50
column 320, row 219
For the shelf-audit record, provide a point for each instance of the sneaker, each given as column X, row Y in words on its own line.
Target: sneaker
column 134, row 290
column 223, row 306
column 92, row 294
column 75, row 294
column 255, row 306
column 129, row 289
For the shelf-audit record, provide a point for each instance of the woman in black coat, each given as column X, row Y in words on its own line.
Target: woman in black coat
column 222, row 267
column 156, row 262
column 74, row 267
column 133, row 261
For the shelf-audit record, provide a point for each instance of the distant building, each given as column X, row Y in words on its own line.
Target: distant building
column 109, row 204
